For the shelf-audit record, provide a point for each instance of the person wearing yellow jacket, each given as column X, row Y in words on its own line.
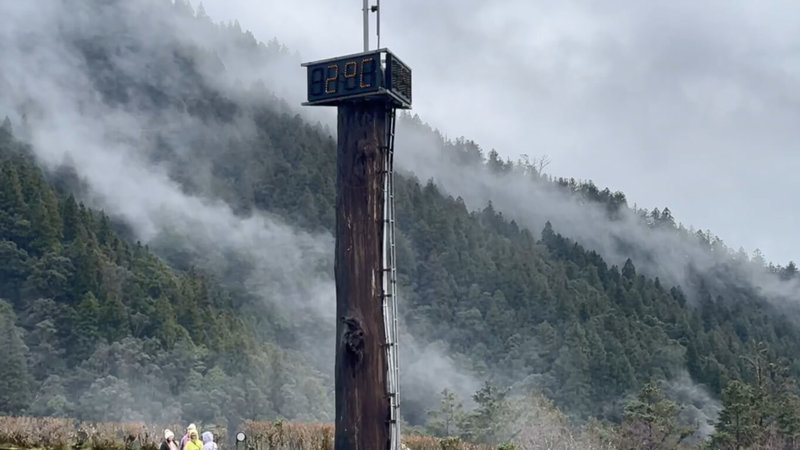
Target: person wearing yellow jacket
column 194, row 442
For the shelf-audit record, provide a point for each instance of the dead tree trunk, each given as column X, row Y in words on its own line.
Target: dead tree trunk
column 362, row 406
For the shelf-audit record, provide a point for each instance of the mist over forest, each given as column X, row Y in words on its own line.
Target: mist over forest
column 166, row 255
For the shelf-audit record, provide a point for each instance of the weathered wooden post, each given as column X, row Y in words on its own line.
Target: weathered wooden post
column 366, row 88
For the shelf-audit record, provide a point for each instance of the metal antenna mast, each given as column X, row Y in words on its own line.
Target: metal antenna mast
column 366, row 10
column 377, row 10
column 366, row 25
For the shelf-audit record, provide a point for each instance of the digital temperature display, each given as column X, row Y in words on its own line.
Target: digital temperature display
column 344, row 77
column 376, row 75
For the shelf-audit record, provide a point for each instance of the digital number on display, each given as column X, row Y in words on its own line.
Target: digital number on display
column 344, row 77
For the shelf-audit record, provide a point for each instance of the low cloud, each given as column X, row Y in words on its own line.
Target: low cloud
column 56, row 105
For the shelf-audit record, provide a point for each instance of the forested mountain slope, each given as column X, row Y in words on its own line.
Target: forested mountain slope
column 224, row 180
column 99, row 328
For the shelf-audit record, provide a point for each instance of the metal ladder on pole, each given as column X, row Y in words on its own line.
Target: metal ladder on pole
column 390, row 282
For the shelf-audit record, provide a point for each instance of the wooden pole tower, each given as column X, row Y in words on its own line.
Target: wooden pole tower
column 366, row 88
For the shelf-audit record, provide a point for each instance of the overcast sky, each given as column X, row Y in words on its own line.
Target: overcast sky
column 686, row 104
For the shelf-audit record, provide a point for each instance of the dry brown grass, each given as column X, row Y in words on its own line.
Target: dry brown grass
column 288, row 436
column 67, row 434
column 296, row 436
column 62, row 434
column 120, row 436
column 431, row 443
column 27, row 432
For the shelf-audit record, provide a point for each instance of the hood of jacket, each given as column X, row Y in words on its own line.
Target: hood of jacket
column 207, row 437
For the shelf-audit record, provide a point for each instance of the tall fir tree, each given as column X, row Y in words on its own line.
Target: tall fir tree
column 15, row 379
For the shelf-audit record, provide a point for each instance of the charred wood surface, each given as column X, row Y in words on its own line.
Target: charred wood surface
column 362, row 407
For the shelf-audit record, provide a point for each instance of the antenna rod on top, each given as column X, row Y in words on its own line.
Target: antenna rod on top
column 366, row 25
column 377, row 10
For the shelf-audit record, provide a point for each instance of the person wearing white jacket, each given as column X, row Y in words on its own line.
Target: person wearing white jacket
column 208, row 441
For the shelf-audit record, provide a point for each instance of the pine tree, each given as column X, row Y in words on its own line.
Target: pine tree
column 651, row 422
column 737, row 425
column 13, row 225
column 788, row 418
column 628, row 270
column 45, row 223
column 14, row 269
column 789, row 272
column 15, row 380
column 488, row 421
column 71, row 218
column 443, row 422
column 87, row 329
column 11, row 199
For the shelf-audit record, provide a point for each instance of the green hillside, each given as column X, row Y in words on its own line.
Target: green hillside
column 101, row 321
column 104, row 329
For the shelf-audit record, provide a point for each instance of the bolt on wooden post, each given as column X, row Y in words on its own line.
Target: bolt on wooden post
column 366, row 88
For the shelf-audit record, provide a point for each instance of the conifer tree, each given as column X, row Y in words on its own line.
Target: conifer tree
column 15, row 381
column 488, row 421
column 737, row 426
column 651, row 422
column 443, row 422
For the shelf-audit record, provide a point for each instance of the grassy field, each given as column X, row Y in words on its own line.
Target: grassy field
column 66, row 434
